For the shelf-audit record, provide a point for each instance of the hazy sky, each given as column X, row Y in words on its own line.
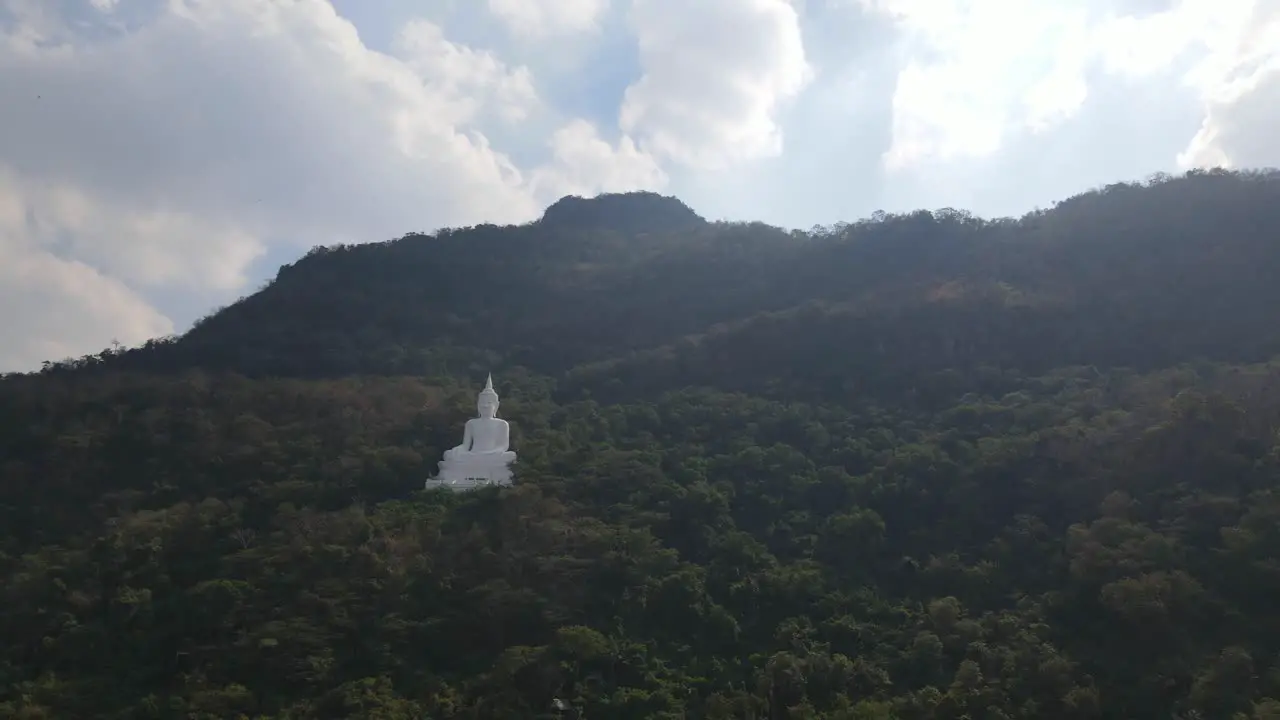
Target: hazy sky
column 159, row 158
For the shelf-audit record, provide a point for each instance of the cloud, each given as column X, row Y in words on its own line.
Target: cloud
column 974, row 69
column 715, row 75
column 584, row 164
column 166, row 146
column 1241, row 88
column 1001, row 107
column 271, row 115
column 463, row 81
column 541, row 18
column 56, row 307
column 977, row 73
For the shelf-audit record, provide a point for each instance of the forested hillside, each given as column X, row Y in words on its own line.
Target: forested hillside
column 916, row 466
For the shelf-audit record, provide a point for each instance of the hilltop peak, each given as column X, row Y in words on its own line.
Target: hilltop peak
column 631, row 213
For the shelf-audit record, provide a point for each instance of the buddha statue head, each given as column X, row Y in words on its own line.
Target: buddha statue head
column 487, row 402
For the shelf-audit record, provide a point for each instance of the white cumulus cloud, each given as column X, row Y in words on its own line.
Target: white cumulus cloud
column 463, row 81
column 52, row 306
column 583, row 164
column 716, row 73
column 1240, row 84
column 542, row 18
column 977, row 72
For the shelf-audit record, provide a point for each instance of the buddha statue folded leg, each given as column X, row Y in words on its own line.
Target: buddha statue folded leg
column 474, row 458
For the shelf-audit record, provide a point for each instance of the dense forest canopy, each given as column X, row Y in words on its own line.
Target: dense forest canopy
column 917, row 466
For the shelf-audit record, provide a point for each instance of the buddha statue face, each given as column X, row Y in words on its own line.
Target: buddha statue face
column 487, row 405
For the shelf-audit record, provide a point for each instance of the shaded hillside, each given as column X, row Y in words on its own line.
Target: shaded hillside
column 1128, row 275
column 920, row 467
column 1085, row 546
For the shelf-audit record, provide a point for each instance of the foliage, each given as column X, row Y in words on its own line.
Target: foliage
column 925, row 466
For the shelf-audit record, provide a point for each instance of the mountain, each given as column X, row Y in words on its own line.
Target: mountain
column 1130, row 275
column 632, row 213
column 924, row 465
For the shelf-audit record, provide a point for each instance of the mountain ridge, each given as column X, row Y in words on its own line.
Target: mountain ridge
column 632, row 212
column 918, row 467
column 528, row 295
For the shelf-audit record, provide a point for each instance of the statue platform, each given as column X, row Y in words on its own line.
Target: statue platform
column 473, row 471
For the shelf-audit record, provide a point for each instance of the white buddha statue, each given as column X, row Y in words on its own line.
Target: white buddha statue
column 483, row 458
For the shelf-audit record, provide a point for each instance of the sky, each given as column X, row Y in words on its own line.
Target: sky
column 161, row 158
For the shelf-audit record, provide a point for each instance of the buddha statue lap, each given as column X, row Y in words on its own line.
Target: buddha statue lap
column 484, row 457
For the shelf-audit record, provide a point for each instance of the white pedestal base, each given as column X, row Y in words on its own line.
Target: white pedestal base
column 474, row 472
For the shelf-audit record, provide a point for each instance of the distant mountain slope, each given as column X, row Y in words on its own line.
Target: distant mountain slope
column 893, row 470
column 1141, row 275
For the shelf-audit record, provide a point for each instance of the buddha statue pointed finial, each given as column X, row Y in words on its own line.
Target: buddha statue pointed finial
column 488, row 393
